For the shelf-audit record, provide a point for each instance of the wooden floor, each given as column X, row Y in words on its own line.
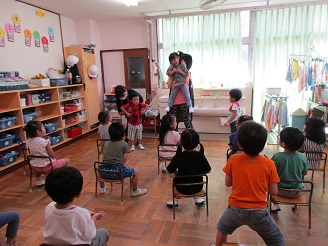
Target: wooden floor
column 146, row 220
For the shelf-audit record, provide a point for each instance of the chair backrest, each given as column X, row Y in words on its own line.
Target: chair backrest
column 317, row 160
column 308, row 187
column 100, row 146
column 231, row 152
column 166, row 150
column 114, row 172
column 25, row 150
column 188, row 181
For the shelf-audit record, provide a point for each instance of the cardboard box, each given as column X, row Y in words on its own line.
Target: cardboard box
column 40, row 82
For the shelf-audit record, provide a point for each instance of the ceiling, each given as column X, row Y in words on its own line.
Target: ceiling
column 108, row 10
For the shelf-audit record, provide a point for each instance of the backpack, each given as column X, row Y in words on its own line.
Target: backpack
column 76, row 77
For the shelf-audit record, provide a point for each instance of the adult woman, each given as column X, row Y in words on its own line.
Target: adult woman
column 180, row 108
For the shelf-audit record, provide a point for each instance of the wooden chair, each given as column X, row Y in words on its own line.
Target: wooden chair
column 100, row 147
column 228, row 153
column 32, row 170
column 111, row 181
column 161, row 149
column 303, row 200
column 202, row 193
column 25, row 152
column 317, row 157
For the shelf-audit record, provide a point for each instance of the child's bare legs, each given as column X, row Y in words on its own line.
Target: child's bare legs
column 135, row 190
column 220, row 238
column 140, row 146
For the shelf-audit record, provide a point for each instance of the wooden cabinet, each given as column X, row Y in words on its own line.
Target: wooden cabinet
column 50, row 110
column 87, row 58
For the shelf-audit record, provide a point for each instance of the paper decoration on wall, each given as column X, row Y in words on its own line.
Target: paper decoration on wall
column 40, row 13
column 28, row 37
column 44, row 41
column 36, row 36
column 16, row 20
column 10, row 32
column 2, row 37
column 51, row 34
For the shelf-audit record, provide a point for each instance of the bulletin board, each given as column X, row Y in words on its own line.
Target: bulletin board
column 30, row 39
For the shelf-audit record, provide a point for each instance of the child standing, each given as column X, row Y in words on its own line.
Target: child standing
column 178, row 72
column 189, row 160
column 234, row 110
column 290, row 164
column 168, row 135
column 105, row 120
column 116, row 152
column 315, row 139
column 64, row 222
column 248, row 200
column 40, row 146
column 133, row 111
column 233, row 143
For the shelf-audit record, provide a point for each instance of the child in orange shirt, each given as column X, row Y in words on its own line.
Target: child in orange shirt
column 251, row 176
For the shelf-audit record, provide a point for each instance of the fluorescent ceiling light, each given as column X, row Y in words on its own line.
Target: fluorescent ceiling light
column 130, row 3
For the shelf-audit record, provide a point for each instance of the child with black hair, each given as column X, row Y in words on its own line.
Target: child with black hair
column 65, row 223
column 116, row 152
column 189, row 160
column 251, row 176
column 40, row 146
column 178, row 72
column 133, row 111
column 315, row 140
column 233, row 143
column 290, row 164
column 234, row 109
column 105, row 120
column 168, row 135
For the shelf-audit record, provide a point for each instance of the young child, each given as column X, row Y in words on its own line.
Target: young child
column 248, row 200
column 168, row 135
column 105, row 120
column 64, row 222
column 116, row 152
column 133, row 111
column 290, row 164
column 234, row 110
column 315, row 139
column 11, row 218
column 40, row 146
column 189, row 160
column 178, row 72
column 233, row 143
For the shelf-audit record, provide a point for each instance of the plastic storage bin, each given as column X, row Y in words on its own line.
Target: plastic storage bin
column 6, row 140
column 51, row 127
column 74, row 131
column 55, row 139
column 58, row 82
column 7, row 122
column 29, row 116
column 8, row 158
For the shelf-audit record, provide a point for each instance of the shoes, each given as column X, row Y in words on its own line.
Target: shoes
column 138, row 192
column 170, row 203
column 191, row 109
column 140, row 146
column 275, row 208
column 294, row 208
column 199, row 201
column 167, row 109
column 132, row 148
column 163, row 167
column 103, row 189
column 40, row 182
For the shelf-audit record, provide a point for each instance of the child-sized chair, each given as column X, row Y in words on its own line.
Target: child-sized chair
column 164, row 148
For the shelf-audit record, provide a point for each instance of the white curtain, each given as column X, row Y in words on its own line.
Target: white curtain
column 214, row 41
column 279, row 33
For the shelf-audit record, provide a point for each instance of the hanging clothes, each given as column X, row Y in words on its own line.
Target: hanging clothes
column 295, row 69
column 289, row 75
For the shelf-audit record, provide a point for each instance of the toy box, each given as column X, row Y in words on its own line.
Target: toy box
column 51, row 127
column 29, row 116
column 6, row 139
column 59, row 82
column 7, row 122
column 40, row 82
column 74, row 131
column 8, row 158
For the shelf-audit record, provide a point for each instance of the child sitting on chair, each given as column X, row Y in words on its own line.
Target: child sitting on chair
column 39, row 146
column 116, row 152
column 189, row 160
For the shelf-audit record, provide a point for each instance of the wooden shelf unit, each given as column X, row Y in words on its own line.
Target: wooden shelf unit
column 45, row 112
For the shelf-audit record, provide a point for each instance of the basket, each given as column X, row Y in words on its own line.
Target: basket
column 7, row 122
column 9, row 157
column 51, row 127
column 6, row 140
column 55, row 139
column 29, row 116
column 59, row 82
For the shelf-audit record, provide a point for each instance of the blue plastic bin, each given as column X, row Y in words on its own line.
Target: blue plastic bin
column 6, row 140
column 55, row 139
column 51, row 127
column 29, row 116
column 9, row 157
column 7, row 122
